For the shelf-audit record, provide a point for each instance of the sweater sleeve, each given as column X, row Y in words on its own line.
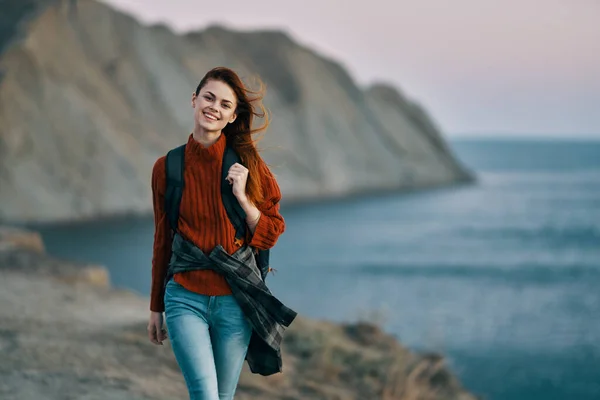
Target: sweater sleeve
column 162, row 237
column 271, row 224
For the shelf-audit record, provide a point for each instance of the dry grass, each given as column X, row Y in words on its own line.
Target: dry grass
column 355, row 361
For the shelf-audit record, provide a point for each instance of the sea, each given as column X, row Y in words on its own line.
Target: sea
column 501, row 276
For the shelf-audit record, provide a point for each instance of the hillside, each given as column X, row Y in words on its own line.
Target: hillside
column 90, row 98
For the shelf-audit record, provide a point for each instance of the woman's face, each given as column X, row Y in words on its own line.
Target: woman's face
column 214, row 107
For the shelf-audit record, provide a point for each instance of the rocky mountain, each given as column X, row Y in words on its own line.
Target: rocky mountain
column 90, row 98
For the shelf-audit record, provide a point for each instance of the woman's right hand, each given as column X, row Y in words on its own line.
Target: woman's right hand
column 156, row 332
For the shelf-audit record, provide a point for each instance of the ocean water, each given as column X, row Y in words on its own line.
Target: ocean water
column 501, row 276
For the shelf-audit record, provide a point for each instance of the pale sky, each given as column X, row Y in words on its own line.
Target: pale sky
column 480, row 67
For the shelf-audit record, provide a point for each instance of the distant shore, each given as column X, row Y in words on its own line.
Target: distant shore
column 286, row 204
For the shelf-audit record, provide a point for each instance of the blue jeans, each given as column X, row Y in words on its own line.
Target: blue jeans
column 209, row 336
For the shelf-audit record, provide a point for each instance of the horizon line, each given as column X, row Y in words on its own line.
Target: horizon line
column 497, row 135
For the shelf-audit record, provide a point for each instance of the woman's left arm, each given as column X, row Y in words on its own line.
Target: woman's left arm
column 264, row 221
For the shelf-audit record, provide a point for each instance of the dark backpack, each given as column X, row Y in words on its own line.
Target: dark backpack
column 174, row 164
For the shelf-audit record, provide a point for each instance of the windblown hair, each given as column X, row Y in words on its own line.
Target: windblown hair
column 239, row 133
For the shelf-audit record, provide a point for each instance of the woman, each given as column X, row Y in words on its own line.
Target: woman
column 208, row 330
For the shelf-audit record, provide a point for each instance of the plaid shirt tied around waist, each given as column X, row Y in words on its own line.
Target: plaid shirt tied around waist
column 268, row 316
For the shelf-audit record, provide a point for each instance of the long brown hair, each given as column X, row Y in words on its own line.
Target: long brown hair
column 239, row 132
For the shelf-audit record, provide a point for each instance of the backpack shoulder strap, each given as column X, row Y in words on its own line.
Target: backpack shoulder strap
column 235, row 212
column 174, row 166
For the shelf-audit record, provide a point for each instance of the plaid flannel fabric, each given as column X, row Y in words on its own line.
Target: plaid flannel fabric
column 268, row 316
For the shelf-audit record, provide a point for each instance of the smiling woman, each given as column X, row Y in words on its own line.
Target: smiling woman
column 222, row 103
column 210, row 322
column 210, row 103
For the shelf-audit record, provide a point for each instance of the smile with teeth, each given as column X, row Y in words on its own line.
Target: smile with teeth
column 210, row 116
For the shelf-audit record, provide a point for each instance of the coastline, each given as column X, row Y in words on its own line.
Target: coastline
column 286, row 204
column 68, row 334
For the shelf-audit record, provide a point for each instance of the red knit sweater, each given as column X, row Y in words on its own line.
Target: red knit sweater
column 203, row 219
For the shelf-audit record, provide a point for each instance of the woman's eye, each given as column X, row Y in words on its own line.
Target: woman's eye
column 207, row 97
column 226, row 105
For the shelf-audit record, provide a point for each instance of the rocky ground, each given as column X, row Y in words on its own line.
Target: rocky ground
column 66, row 334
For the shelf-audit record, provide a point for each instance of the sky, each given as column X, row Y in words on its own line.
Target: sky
column 481, row 68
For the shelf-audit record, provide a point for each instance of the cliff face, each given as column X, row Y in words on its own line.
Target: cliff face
column 66, row 334
column 90, row 98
